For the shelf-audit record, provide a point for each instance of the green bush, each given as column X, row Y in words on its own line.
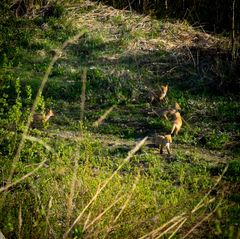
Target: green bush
column 233, row 172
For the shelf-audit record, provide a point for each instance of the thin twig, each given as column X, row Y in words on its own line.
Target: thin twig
column 169, row 228
column 102, row 213
column 47, row 216
column 155, row 231
column 186, row 123
column 103, row 117
column 9, row 185
column 20, row 222
column 87, row 220
column 180, row 225
column 83, row 95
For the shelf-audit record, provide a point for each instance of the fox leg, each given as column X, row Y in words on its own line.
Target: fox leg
column 161, row 149
column 173, row 129
column 177, row 130
column 168, row 148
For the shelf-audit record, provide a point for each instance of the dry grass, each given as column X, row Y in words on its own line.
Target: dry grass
column 168, row 36
column 130, row 154
column 178, row 221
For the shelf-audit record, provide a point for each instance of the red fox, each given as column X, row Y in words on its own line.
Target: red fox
column 42, row 118
column 166, row 112
column 175, row 108
column 158, row 95
column 163, row 142
column 177, row 123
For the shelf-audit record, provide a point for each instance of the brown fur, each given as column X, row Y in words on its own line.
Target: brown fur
column 42, row 118
column 163, row 142
column 166, row 112
column 177, row 123
column 158, row 95
column 171, row 111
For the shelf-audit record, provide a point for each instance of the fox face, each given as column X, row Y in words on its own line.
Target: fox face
column 158, row 95
column 42, row 118
column 164, row 90
column 176, row 106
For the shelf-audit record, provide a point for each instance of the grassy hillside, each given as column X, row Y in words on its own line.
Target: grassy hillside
column 70, row 179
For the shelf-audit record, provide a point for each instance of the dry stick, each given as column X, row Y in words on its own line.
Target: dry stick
column 47, row 216
column 9, row 185
column 155, row 231
column 168, row 229
column 71, row 194
column 186, row 123
column 102, row 213
column 83, row 95
column 130, row 6
column 87, row 224
column 130, row 154
column 20, row 221
column 166, row 4
column 87, row 220
column 40, row 90
column 128, row 199
column 180, row 225
column 103, row 117
column 199, row 223
column 1, row 235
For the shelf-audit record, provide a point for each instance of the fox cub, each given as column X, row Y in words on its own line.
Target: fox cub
column 169, row 112
column 166, row 112
column 158, row 95
column 177, row 123
column 163, row 142
column 42, row 118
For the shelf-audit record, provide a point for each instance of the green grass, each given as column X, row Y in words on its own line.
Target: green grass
column 125, row 56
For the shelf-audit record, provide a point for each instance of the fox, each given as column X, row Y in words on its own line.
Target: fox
column 177, row 123
column 158, row 95
column 42, row 118
column 163, row 141
column 174, row 109
column 166, row 112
